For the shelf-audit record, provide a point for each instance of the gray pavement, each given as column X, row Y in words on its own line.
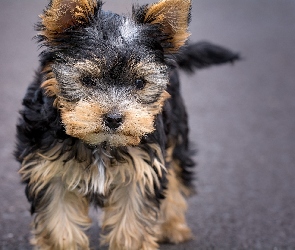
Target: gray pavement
column 242, row 121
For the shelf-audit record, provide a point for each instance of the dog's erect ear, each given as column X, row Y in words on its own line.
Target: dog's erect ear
column 63, row 14
column 172, row 17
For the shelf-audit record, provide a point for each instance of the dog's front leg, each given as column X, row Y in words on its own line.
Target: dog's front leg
column 58, row 195
column 131, row 209
column 128, row 224
column 60, row 218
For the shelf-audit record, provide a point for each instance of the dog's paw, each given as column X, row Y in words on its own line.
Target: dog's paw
column 149, row 246
column 175, row 234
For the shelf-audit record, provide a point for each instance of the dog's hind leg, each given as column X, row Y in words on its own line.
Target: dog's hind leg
column 174, row 227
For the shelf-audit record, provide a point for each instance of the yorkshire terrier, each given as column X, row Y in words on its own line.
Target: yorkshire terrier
column 104, row 123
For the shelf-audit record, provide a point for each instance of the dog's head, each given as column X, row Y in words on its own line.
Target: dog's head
column 107, row 72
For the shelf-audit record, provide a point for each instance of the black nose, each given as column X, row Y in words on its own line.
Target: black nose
column 113, row 121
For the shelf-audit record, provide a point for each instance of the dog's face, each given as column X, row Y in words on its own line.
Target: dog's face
column 112, row 98
column 108, row 72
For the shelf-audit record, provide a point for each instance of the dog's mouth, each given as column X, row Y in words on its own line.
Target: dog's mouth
column 113, row 139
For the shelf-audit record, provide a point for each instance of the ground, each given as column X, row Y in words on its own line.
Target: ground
column 242, row 120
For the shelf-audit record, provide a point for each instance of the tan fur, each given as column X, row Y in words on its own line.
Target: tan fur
column 156, row 108
column 186, row 191
column 174, row 227
column 50, row 84
column 42, row 169
column 133, row 225
column 84, row 120
column 176, row 168
column 130, row 224
column 65, row 13
column 89, row 66
column 174, row 20
column 62, row 213
column 61, row 218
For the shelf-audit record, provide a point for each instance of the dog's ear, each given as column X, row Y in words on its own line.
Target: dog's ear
column 63, row 14
column 171, row 16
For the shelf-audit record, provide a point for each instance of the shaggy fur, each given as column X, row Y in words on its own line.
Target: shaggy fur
column 104, row 123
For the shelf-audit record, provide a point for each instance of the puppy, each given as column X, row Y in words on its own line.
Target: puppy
column 104, row 123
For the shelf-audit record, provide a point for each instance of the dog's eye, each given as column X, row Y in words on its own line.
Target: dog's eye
column 88, row 81
column 139, row 84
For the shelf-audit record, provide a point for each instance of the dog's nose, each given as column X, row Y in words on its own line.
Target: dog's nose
column 113, row 121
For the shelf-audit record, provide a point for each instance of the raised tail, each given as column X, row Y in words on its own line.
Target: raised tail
column 202, row 55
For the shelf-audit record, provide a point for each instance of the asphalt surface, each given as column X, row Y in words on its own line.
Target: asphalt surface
column 242, row 121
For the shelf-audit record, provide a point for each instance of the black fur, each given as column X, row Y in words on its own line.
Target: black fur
column 204, row 54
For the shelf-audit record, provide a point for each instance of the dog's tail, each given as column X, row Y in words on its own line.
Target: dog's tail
column 202, row 55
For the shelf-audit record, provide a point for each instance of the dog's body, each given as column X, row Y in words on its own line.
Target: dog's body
column 104, row 123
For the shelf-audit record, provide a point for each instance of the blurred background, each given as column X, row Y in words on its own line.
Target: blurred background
column 242, row 120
